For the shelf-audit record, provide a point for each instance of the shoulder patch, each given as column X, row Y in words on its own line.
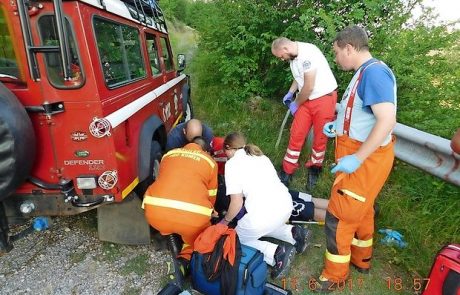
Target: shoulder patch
column 306, row 65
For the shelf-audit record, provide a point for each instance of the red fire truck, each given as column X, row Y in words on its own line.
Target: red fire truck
column 88, row 94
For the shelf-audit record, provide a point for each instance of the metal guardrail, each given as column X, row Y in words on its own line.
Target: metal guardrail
column 428, row 152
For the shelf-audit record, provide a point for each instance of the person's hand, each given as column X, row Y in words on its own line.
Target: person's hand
column 287, row 99
column 215, row 214
column 223, row 221
column 293, row 108
column 329, row 129
column 347, row 164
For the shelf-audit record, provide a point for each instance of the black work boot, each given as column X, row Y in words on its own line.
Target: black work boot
column 285, row 178
column 323, row 285
column 302, row 237
column 284, row 254
column 184, row 266
column 360, row 269
column 313, row 175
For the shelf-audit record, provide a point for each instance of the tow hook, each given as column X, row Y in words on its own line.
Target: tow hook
column 68, row 190
column 75, row 201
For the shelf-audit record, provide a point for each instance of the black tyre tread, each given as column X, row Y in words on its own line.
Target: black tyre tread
column 17, row 143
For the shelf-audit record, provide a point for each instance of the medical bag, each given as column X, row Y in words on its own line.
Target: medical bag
column 444, row 276
column 252, row 274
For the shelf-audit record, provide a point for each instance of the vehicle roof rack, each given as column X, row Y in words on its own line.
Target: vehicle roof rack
column 142, row 10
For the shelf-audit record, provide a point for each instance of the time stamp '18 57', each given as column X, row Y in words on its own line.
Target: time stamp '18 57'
column 392, row 283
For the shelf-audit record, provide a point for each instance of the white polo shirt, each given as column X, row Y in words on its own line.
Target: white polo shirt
column 310, row 58
column 256, row 178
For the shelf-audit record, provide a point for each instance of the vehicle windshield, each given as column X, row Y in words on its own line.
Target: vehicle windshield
column 8, row 64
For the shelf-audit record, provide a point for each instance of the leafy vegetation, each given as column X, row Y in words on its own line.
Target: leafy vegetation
column 235, row 38
column 238, row 84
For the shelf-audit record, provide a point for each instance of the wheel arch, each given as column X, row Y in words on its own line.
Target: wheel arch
column 152, row 129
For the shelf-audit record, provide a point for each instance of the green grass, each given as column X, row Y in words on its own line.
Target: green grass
column 111, row 252
column 425, row 209
column 138, row 265
column 77, row 257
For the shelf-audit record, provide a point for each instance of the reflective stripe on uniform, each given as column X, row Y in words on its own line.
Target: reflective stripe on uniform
column 293, row 161
column 168, row 203
column 353, row 195
column 212, row 192
column 338, row 258
column 189, row 154
column 315, row 161
column 362, row 243
column 293, row 153
column 317, row 154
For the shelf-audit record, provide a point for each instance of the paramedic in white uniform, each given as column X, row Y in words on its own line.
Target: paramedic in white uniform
column 251, row 179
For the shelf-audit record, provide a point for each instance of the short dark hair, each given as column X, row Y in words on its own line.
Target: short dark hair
column 353, row 35
column 199, row 140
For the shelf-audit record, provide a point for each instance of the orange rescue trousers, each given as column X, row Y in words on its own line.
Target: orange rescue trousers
column 188, row 225
column 350, row 214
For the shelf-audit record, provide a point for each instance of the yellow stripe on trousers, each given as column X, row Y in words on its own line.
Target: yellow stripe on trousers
column 167, row 203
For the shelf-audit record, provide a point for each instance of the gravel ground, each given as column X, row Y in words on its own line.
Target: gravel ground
column 68, row 258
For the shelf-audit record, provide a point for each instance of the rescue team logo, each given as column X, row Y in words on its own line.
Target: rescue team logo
column 306, row 65
column 167, row 112
column 78, row 136
column 298, row 208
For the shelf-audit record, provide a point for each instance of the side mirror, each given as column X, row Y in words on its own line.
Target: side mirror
column 181, row 62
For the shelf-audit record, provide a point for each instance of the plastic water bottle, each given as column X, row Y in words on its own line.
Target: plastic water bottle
column 41, row 223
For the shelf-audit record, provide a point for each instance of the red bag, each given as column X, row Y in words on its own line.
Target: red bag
column 445, row 273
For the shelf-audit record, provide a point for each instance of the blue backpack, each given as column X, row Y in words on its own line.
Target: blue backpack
column 251, row 278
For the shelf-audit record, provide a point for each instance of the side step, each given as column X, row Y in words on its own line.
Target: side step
column 123, row 223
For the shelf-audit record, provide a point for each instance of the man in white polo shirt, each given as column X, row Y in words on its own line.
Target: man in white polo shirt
column 314, row 104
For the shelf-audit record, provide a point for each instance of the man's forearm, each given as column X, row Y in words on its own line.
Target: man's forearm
column 293, row 87
column 303, row 95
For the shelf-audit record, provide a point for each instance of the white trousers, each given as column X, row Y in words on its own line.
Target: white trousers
column 250, row 229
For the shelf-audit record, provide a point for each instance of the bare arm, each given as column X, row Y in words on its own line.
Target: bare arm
column 308, row 84
column 385, row 114
column 293, row 87
column 236, row 203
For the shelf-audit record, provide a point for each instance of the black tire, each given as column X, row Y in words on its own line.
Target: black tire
column 188, row 111
column 17, row 143
column 155, row 158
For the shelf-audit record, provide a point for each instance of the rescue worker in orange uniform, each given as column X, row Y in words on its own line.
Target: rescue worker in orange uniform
column 181, row 199
column 364, row 155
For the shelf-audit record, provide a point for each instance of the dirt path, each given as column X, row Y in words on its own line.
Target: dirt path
column 69, row 259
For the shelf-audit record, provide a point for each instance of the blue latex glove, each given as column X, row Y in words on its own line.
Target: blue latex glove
column 329, row 129
column 293, row 108
column 347, row 164
column 223, row 221
column 392, row 237
column 288, row 98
